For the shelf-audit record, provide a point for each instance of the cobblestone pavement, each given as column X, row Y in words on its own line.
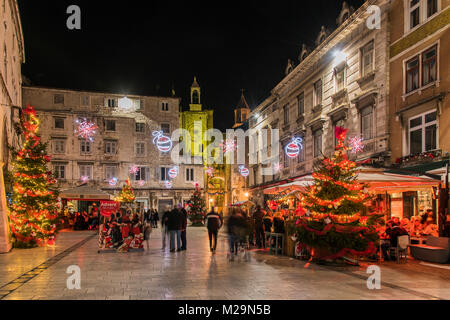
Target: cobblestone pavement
column 196, row 274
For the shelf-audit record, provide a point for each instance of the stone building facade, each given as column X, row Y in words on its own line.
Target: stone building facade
column 342, row 82
column 12, row 56
column 124, row 139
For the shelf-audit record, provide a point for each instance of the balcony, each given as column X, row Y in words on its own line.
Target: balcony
column 364, row 81
column 422, row 158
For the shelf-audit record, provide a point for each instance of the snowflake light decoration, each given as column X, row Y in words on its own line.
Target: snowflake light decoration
column 228, row 145
column 113, row 181
column 356, row 144
column 141, row 183
column 277, row 167
column 134, row 169
column 86, row 129
column 210, row 171
column 85, row 179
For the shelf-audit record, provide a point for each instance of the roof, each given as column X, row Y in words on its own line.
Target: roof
column 195, row 83
column 242, row 104
column 85, row 192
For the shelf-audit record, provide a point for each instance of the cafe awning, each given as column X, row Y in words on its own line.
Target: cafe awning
column 85, row 193
column 379, row 180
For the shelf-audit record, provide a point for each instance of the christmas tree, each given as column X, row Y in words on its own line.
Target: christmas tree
column 34, row 208
column 127, row 193
column 197, row 208
column 334, row 221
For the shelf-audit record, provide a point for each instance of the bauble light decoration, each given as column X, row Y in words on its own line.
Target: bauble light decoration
column 244, row 171
column 173, row 172
column 168, row 184
column 113, row 181
column 293, row 148
column 162, row 142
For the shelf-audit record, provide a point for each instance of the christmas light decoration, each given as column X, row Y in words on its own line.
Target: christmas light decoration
column 86, row 129
column 162, row 142
column 113, row 181
column 173, row 172
column 293, row 148
column 33, row 209
column 168, row 184
column 210, row 171
column 141, row 183
column 127, row 193
column 277, row 167
column 356, row 144
column 229, row 145
column 84, row 179
column 134, row 169
column 244, row 171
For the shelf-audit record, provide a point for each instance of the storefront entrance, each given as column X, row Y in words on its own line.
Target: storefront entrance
column 162, row 205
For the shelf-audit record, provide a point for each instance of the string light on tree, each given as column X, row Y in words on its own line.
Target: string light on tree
column 162, row 142
column 86, row 129
column 356, row 143
column 294, row 147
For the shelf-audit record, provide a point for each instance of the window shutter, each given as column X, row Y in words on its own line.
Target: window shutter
column 147, row 174
column 157, row 174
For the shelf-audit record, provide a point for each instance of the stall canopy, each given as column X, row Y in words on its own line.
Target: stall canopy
column 242, row 204
column 377, row 179
column 85, row 193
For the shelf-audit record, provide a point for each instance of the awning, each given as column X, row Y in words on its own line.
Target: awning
column 85, row 193
column 299, row 184
column 242, row 204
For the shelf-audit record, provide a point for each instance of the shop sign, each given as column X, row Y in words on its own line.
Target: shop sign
column 107, row 208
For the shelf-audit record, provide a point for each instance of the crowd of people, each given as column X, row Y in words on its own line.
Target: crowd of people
column 82, row 220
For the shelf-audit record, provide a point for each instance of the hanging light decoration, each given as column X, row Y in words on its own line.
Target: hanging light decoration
column 228, row 145
column 86, row 129
column 209, row 171
column 84, row 179
column 141, row 183
column 356, row 144
column 134, row 169
column 293, row 148
column 113, row 181
column 173, row 172
column 277, row 167
column 168, row 184
column 244, row 171
column 162, row 142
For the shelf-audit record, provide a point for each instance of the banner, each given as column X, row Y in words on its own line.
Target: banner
column 107, row 208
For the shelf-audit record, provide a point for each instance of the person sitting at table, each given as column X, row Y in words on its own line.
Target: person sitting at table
column 267, row 221
column 430, row 229
column 428, row 214
column 405, row 224
column 416, row 226
column 392, row 233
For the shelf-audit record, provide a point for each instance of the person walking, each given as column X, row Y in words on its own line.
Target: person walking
column 213, row 222
column 259, row 227
column 164, row 229
column 155, row 218
column 174, row 226
column 184, row 216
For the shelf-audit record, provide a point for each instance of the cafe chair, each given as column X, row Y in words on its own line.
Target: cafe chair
column 401, row 251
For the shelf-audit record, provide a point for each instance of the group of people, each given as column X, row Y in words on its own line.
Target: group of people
column 174, row 226
column 83, row 220
column 152, row 216
column 416, row 226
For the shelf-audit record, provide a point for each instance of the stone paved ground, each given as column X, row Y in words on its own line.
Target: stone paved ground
column 196, row 274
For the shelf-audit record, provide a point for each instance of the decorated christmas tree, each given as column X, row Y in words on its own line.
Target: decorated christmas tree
column 197, row 208
column 334, row 220
column 127, row 193
column 34, row 208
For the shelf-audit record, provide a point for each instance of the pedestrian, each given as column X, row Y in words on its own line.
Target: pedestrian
column 184, row 216
column 174, row 226
column 236, row 223
column 259, row 226
column 147, row 232
column 155, row 218
column 164, row 229
column 213, row 222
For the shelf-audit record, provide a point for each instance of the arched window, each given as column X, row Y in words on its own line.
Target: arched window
column 195, row 97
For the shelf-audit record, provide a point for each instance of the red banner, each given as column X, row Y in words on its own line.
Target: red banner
column 107, row 208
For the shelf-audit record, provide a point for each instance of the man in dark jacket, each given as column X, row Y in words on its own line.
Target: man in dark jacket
column 174, row 226
column 164, row 230
column 259, row 226
column 183, row 228
column 393, row 231
column 213, row 222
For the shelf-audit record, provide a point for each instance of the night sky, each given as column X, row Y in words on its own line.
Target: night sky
column 145, row 47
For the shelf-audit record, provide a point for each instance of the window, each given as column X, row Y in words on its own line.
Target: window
column 318, row 93
column 85, row 101
column 317, row 143
column 423, row 133
column 59, row 146
column 140, row 149
column 367, row 123
column 414, row 13
column 58, row 99
column 143, row 174
column 137, row 104
column 59, row 171
column 412, row 74
column 286, row 114
column 110, row 172
column 110, row 125
column 59, row 123
column 339, row 73
column 164, row 174
column 367, row 59
column 111, row 103
column 111, row 147
column 429, row 70
column 301, row 104
column 165, row 128
column 189, row 174
column 86, row 171
column 140, row 127
column 85, row 147
column 165, row 106
column 432, row 7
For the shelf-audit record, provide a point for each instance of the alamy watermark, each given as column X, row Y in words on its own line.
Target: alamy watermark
column 74, row 20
